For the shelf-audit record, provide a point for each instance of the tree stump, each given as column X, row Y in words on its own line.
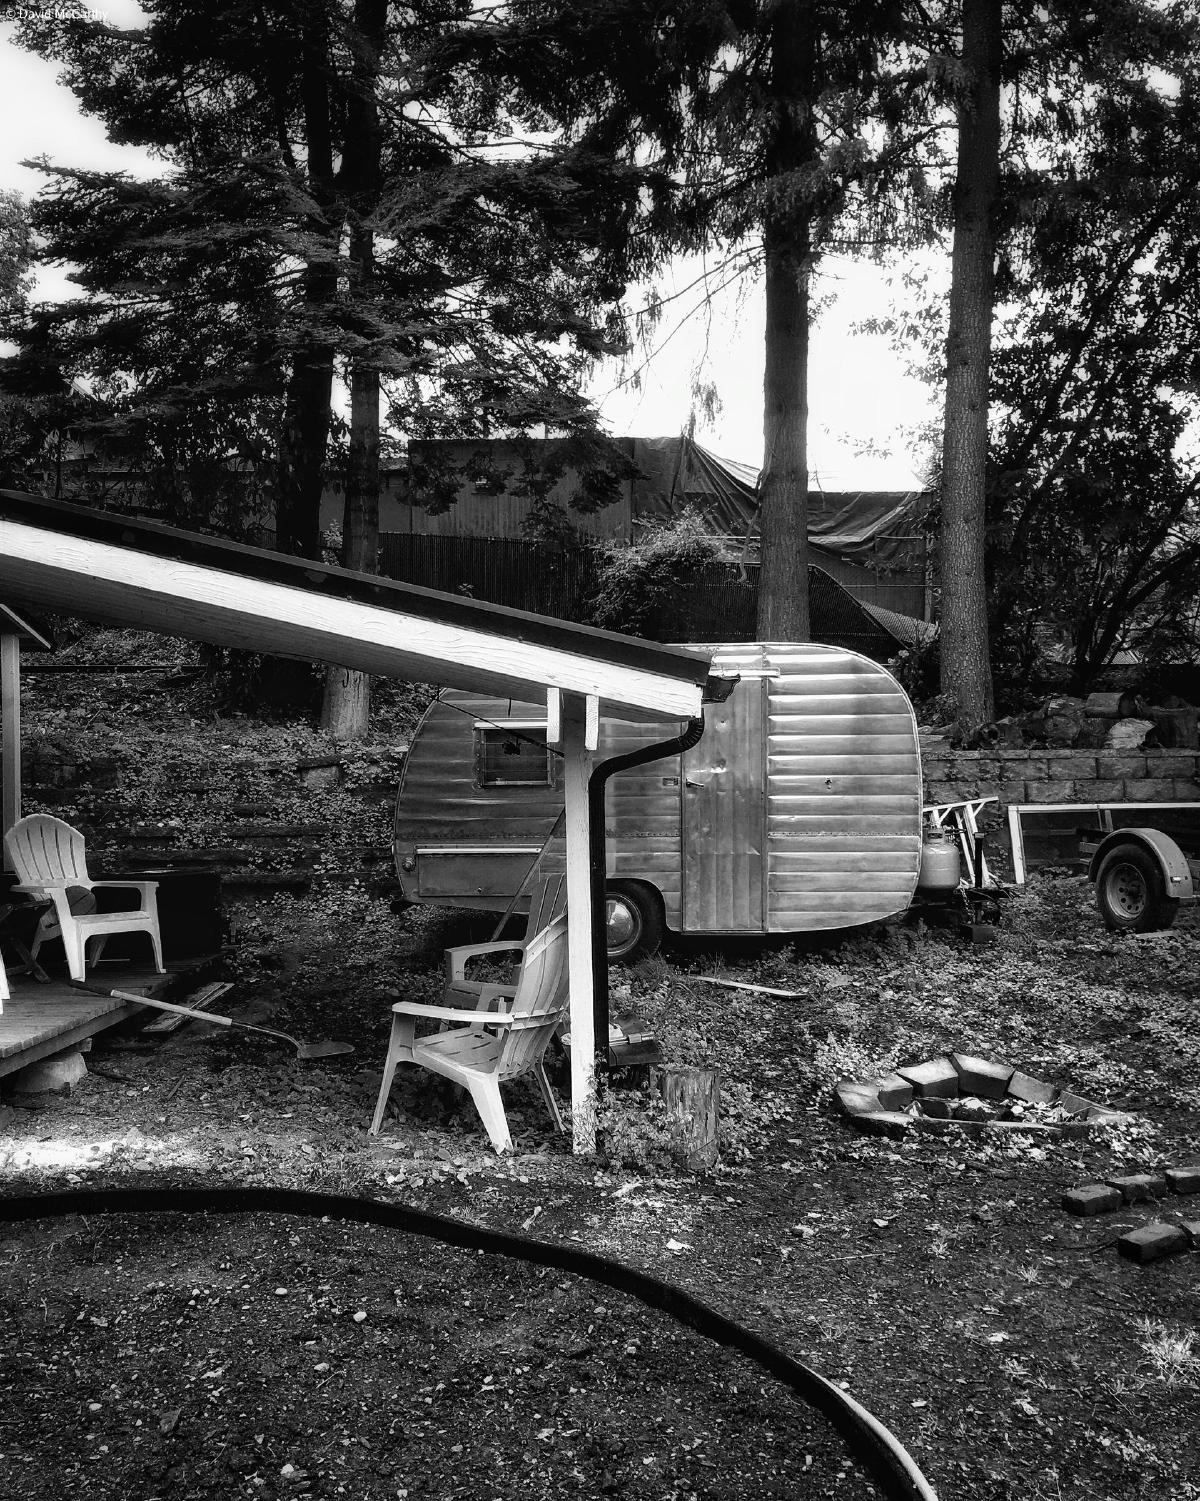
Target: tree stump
column 692, row 1096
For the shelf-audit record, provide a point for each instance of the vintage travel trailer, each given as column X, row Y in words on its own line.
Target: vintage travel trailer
column 798, row 810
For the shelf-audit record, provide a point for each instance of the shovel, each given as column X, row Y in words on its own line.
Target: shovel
column 305, row 1050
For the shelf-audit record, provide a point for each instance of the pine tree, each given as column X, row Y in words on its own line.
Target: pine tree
column 346, row 195
column 759, row 130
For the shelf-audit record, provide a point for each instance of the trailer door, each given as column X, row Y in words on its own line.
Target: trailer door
column 724, row 817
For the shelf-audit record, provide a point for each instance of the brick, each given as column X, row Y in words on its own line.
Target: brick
column 895, row 1093
column 981, row 1076
column 893, row 1123
column 1170, row 760
column 1120, row 766
column 1073, row 764
column 1185, row 792
column 1100, row 1115
column 1152, row 1242
column 1035, row 769
column 1106, row 792
column 1032, row 1091
column 949, row 792
column 1148, row 791
column 1092, row 1198
column 1012, row 753
column 936, row 1078
column 856, row 1098
column 1191, row 1228
column 1183, row 1180
column 1135, row 1187
column 1074, row 1104
column 1010, row 793
column 1050, row 792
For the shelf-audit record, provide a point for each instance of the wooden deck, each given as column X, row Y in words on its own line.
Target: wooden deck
column 40, row 1020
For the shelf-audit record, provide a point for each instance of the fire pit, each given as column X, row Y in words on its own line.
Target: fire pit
column 959, row 1092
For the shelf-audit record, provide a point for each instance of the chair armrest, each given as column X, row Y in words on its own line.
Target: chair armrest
column 491, row 994
column 453, row 1014
column 143, row 886
column 458, row 958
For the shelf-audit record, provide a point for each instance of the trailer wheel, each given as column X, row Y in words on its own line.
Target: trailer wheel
column 634, row 917
column 1131, row 894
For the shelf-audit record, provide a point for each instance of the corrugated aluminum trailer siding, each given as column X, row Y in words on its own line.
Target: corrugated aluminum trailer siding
column 440, row 806
column 844, row 791
column 641, row 814
column 723, row 814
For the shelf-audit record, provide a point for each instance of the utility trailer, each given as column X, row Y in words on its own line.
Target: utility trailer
column 798, row 810
column 1144, row 875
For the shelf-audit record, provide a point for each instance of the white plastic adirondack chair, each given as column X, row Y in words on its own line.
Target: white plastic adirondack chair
column 547, row 900
column 48, row 856
column 3, row 986
column 483, row 1049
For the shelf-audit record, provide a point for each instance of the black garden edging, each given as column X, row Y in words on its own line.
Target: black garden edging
column 878, row 1450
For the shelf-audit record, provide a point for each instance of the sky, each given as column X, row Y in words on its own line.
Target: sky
column 865, row 406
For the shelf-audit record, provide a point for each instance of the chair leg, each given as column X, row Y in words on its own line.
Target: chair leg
column 485, row 1091
column 385, row 1090
column 548, row 1095
column 75, row 946
column 156, row 945
column 399, row 1051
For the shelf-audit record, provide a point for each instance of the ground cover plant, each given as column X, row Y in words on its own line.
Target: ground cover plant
column 1004, row 1342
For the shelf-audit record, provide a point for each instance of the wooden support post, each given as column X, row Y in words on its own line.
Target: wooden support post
column 10, row 712
column 577, row 769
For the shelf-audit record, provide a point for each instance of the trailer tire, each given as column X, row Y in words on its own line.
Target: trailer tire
column 1131, row 893
column 634, row 919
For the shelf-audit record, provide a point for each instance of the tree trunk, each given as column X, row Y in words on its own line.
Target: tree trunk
column 346, row 709
column 310, row 389
column 345, row 712
column 783, row 487
column 302, row 452
column 966, row 672
column 692, row 1099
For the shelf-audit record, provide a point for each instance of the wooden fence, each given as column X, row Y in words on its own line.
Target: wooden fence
column 719, row 604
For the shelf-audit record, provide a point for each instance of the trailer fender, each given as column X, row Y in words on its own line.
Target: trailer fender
column 1176, row 873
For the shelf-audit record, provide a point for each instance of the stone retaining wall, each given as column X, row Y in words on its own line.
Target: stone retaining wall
column 1060, row 776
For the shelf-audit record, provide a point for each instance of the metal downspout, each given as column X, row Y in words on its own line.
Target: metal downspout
column 597, row 783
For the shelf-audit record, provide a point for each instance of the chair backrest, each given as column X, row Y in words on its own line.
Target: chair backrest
column 540, row 999
column 547, row 901
column 43, row 848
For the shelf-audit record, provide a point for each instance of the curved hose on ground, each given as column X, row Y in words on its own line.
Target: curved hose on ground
column 877, row 1449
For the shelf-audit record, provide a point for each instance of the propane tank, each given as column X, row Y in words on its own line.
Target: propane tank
column 939, row 862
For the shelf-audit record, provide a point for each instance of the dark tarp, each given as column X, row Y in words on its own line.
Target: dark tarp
column 879, row 528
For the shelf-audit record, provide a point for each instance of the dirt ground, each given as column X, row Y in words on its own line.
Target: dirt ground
column 1005, row 1343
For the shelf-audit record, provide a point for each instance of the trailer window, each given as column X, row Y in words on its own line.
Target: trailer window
column 510, row 757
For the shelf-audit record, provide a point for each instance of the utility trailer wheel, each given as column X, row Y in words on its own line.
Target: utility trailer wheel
column 1131, row 894
column 634, row 919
